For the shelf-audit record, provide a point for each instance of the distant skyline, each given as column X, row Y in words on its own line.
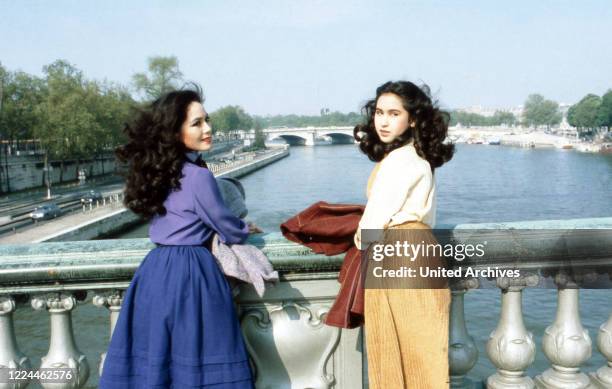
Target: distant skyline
column 281, row 57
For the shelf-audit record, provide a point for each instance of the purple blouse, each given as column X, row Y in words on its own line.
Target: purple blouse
column 195, row 212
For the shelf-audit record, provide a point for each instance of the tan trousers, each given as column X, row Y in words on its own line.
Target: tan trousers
column 406, row 333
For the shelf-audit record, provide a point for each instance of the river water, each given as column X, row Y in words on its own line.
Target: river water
column 482, row 183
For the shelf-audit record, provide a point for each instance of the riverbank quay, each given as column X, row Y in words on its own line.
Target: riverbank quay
column 111, row 216
column 16, row 216
column 16, row 204
column 26, row 170
column 83, row 224
column 60, row 278
column 251, row 162
column 522, row 137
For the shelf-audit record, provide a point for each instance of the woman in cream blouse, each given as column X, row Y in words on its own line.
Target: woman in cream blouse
column 406, row 326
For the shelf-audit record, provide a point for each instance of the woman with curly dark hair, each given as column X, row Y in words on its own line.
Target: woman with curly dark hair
column 177, row 327
column 406, row 323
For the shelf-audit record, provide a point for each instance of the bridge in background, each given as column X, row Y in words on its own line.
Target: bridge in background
column 311, row 136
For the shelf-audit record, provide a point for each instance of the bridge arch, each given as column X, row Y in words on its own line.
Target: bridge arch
column 292, row 140
column 341, row 138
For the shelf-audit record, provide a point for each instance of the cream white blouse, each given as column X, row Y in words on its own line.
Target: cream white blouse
column 403, row 190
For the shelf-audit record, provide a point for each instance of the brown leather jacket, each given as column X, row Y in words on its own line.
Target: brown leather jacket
column 329, row 229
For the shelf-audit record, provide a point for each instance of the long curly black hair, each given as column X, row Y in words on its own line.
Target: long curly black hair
column 429, row 132
column 154, row 155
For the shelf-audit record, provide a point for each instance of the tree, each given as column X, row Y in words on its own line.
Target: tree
column 20, row 93
column 68, row 127
column 503, row 118
column 3, row 80
column 224, row 119
column 586, row 114
column 231, row 118
column 245, row 121
column 164, row 76
column 468, row 119
column 260, row 137
column 605, row 110
column 110, row 106
column 538, row 111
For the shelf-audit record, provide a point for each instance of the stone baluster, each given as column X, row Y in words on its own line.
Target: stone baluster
column 63, row 352
column 10, row 356
column 462, row 351
column 603, row 376
column 290, row 346
column 111, row 300
column 510, row 346
column 566, row 344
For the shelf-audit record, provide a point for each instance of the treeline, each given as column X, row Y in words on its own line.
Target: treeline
column 468, row 119
column 70, row 116
column 76, row 117
column 234, row 117
column 589, row 115
column 537, row 111
column 325, row 119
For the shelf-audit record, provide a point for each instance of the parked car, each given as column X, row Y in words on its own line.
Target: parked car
column 91, row 197
column 46, row 211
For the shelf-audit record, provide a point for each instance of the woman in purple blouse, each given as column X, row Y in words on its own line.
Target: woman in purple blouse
column 177, row 327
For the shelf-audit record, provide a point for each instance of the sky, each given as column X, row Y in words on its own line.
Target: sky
column 294, row 56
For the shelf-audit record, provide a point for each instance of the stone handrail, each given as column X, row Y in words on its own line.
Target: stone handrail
column 59, row 266
column 57, row 276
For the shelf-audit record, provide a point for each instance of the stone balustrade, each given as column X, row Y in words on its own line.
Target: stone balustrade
column 289, row 345
column 217, row 167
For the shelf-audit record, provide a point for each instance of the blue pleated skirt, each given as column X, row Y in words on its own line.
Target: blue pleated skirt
column 177, row 327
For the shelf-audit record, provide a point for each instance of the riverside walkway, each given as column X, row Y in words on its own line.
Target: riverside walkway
column 111, row 215
column 45, row 230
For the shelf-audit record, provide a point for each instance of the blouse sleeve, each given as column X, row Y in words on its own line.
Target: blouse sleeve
column 210, row 207
column 393, row 184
